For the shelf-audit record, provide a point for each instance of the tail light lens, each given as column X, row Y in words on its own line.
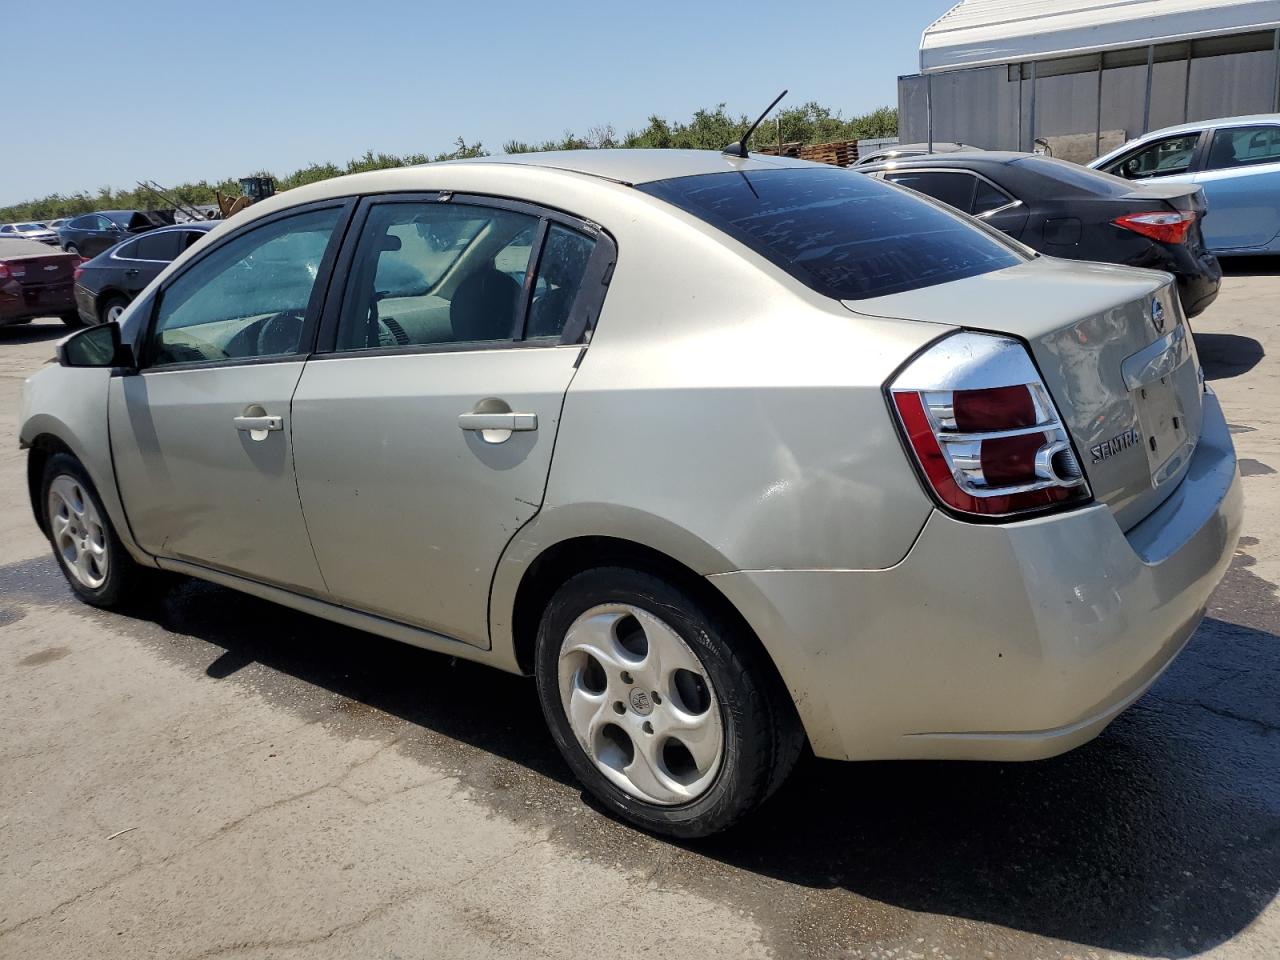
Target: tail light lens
column 1165, row 227
column 4, row 271
column 78, row 270
column 984, row 430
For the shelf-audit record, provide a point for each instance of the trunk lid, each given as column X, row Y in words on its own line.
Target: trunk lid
column 1114, row 353
column 43, row 268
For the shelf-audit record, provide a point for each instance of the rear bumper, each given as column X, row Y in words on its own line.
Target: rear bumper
column 86, row 304
column 18, row 302
column 1000, row 642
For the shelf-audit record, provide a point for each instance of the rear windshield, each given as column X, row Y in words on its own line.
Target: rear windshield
column 844, row 234
column 1082, row 178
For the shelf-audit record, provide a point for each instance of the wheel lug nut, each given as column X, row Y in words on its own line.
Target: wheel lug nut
column 657, row 697
column 647, row 727
column 619, row 708
column 626, row 677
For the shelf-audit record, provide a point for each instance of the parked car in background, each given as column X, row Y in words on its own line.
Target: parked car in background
column 29, row 231
column 55, row 224
column 1235, row 160
column 903, row 150
column 107, row 284
column 1065, row 210
column 91, row 234
column 832, row 461
column 35, row 281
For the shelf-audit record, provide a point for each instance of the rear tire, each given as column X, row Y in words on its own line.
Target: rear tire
column 71, row 320
column 90, row 555
column 665, row 713
column 72, row 248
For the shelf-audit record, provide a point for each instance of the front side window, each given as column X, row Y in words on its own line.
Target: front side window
column 1243, row 146
column 844, row 234
column 436, row 273
column 248, row 298
column 1160, row 159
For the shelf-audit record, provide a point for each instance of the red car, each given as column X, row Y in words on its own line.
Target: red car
column 36, row 281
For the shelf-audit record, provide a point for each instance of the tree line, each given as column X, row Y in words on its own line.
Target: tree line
column 705, row 130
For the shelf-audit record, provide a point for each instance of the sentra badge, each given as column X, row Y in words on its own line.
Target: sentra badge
column 1117, row 444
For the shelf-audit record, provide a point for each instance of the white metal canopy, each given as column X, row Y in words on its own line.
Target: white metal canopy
column 977, row 33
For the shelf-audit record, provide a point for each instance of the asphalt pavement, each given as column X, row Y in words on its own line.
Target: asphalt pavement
column 209, row 775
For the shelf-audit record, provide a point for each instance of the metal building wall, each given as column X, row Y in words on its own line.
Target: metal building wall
column 1131, row 91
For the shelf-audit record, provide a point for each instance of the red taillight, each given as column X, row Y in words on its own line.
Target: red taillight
column 4, row 270
column 1165, row 227
column 79, row 270
column 986, row 446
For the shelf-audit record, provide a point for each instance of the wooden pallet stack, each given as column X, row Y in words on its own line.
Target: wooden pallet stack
column 838, row 153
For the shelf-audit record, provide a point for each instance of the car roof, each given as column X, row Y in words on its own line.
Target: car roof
column 642, row 165
column 1220, row 122
column 970, row 158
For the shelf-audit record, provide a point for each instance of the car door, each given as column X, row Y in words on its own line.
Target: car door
column 424, row 427
column 101, row 235
column 201, row 434
column 1241, row 182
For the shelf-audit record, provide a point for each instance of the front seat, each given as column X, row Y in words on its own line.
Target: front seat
column 1222, row 153
column 484, row 306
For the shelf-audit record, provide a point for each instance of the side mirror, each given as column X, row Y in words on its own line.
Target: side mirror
column 98, row 346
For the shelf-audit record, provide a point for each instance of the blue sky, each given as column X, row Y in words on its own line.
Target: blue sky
column 175, row 91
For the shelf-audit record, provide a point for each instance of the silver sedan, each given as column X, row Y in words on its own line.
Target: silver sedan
column 731, row 454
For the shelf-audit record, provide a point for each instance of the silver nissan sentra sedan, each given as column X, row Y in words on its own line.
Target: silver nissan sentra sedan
column 731, row 454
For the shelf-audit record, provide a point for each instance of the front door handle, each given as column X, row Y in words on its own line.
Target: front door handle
column 516, row 422
column 258, row 424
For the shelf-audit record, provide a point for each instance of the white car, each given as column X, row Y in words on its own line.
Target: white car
column 730, row 453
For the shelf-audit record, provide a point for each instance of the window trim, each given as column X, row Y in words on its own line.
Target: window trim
column 591, row 302
column 315, row 305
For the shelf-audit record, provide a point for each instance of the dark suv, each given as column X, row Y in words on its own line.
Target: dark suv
column 91, row 234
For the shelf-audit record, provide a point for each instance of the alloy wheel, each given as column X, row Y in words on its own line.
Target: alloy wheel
column 114, row 311
column 79, row 536
column 641, row 705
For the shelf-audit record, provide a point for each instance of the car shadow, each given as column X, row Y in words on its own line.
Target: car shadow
column 1264, row 265
column 1158, row 839
column 34, row 332
column 1227, row 355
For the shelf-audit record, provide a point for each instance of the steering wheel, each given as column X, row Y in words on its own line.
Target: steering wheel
column 280, row 333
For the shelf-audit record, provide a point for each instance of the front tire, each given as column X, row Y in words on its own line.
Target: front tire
column 89, row 553
column 665, row 712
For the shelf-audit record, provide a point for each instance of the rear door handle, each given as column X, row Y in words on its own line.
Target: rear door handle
column 517, row 422
column 251, row 424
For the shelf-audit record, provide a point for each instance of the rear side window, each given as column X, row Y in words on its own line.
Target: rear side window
column 430, row 273
column 158, row 246
column 952, row 188
column 1243, row 146
column 844, row 234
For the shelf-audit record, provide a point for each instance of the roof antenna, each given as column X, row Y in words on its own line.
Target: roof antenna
column 739, row 148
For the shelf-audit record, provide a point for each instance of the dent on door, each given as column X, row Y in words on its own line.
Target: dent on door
column 416, row 470
column 208, row 478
